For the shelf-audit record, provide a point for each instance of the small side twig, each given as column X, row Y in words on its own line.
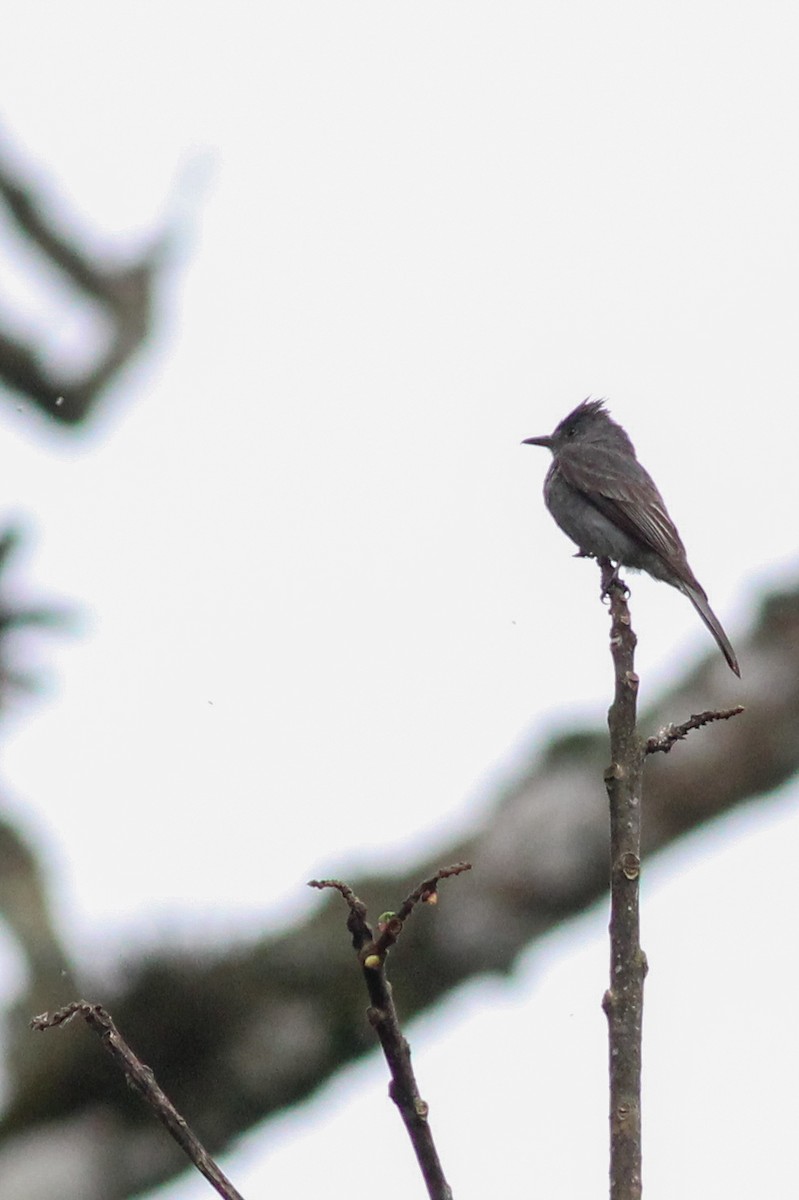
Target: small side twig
column 624, row 1000
column 140, row 1077
column 382, row 1015
column 666, row 737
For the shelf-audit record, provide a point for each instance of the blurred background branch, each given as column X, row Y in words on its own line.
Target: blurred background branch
column 124, row 293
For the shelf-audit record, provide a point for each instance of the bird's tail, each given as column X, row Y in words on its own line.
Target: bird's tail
column 699, row 600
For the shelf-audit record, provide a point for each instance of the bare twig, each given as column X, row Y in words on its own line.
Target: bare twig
column 383, row 1017
column 665, row 739
column 624, row 999
column 142, row 1080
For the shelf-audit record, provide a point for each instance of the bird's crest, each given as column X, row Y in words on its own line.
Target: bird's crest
column 588, row 407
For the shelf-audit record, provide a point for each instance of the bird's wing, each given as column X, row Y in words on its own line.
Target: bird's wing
column 623, row 491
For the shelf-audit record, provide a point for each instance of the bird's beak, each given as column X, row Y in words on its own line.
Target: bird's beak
column 538, row 441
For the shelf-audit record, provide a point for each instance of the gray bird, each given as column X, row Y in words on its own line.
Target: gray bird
column 605, row 501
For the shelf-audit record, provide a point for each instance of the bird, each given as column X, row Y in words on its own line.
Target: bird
column 608, row 505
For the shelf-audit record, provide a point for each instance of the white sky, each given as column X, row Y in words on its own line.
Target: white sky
column 320, row 588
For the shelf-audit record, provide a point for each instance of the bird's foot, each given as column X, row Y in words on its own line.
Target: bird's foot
column 610, row 578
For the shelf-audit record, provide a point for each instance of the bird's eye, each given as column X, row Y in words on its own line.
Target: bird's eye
column 570, row 431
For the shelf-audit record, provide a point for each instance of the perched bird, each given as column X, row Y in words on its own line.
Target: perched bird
column 605, row 501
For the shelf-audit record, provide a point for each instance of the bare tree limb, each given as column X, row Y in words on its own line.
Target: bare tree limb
column 623, row 1002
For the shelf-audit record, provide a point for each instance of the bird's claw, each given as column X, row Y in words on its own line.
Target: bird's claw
column 610, row 578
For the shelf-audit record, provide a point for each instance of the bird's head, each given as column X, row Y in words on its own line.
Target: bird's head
column 588, row 423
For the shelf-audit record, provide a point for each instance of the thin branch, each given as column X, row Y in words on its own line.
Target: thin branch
column 142, row 1080
column 624, row 1000
column 427, row 892
column 666, row 738
column 390, row 924
column 383, row 1018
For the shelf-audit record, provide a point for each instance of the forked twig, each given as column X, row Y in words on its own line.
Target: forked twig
column 383, row 1018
